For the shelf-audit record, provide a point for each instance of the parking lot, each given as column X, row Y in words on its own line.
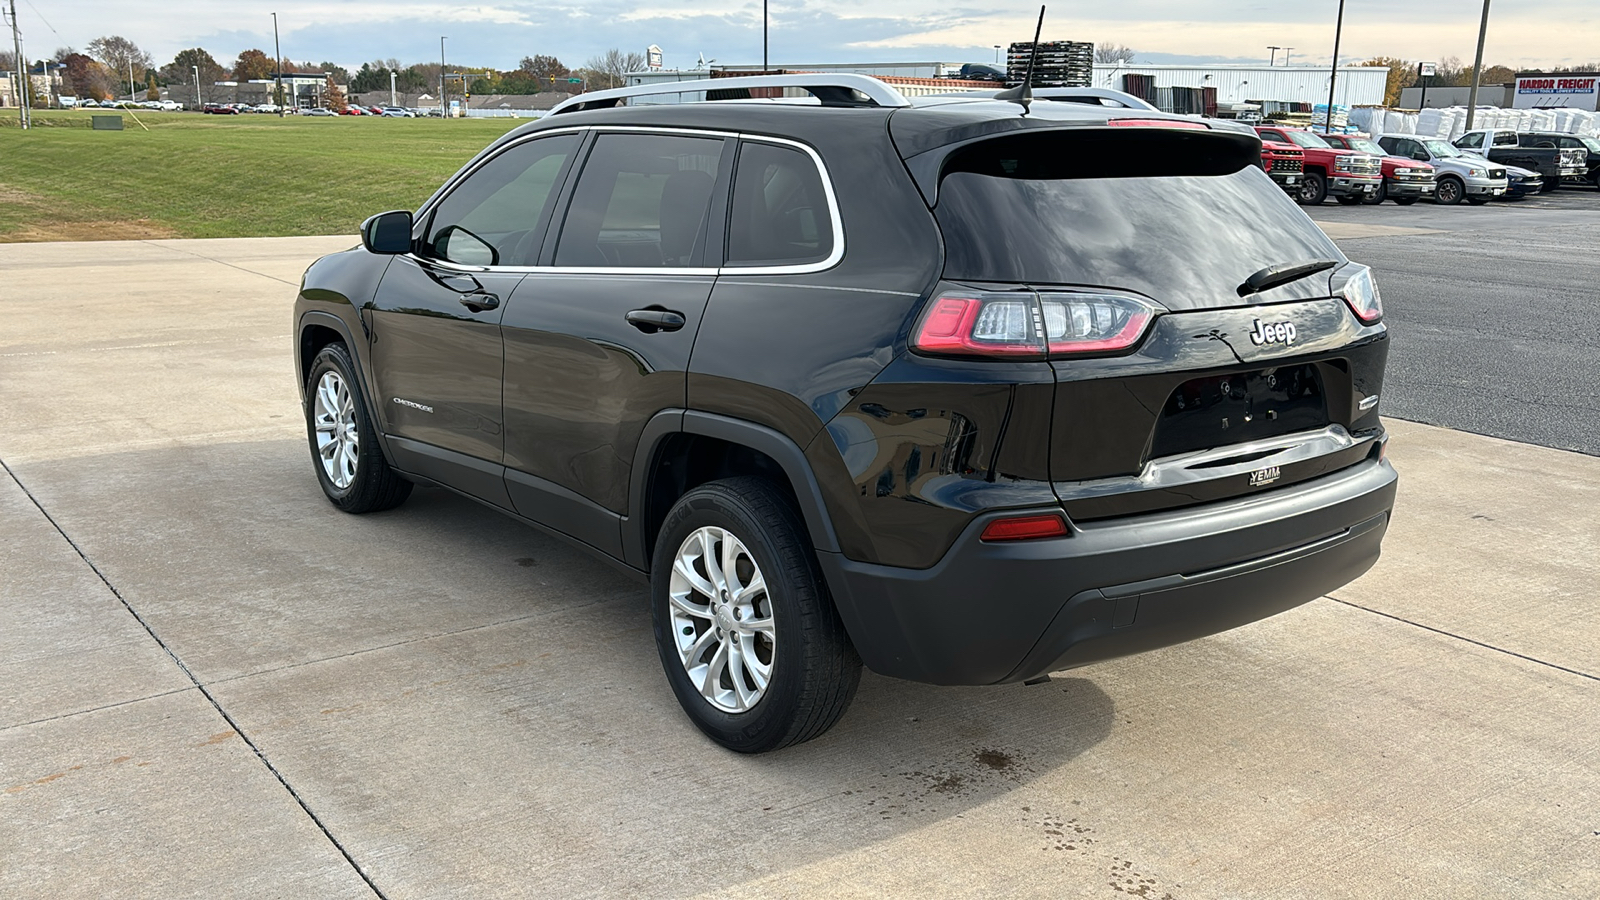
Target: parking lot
column 218, row 684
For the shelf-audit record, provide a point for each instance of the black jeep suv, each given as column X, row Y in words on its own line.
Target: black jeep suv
column 963, row 391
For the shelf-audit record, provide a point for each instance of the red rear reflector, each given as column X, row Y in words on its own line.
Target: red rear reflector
column 1159, row 123
column 1025, row 528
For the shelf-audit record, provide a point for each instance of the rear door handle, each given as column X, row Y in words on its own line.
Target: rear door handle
column 478, row 301
column 656, row 318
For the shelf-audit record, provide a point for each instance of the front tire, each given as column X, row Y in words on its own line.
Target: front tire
column 1313, row 189
column 1379, row 195
column 748, row 636
column 1449, row 192
column 1478, row 201
column 344, row 445
column 1405, row 201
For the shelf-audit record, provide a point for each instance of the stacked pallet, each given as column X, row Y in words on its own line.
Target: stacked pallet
column 1061, row 64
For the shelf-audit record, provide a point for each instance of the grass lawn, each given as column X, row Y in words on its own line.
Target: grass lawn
column 192, row 175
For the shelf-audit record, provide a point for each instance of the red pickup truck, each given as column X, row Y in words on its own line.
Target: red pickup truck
column 1345, row 174
column 1285, row 163
column 1405, row 180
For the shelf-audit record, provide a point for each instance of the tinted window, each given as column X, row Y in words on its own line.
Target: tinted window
column 1472, row 140
column 1505, row 139
column 1177, row 238
column 499, row 206
column 780, row 211
column 641, row 202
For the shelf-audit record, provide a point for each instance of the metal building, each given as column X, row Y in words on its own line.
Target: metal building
column 1358, row 85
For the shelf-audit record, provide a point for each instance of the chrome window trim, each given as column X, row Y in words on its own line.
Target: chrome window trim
column 837, row 221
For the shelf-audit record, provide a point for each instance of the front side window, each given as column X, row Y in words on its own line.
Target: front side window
column 492, row 216
column 1442, row 149
column 642, row 202
column 780, row 212
column 1472, row 140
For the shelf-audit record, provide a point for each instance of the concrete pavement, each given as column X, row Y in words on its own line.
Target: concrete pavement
column 216, row 684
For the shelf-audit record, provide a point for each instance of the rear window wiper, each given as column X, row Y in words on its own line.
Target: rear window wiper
column 1283, row 273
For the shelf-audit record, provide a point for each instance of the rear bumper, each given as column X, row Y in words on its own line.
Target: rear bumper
column 996, row 613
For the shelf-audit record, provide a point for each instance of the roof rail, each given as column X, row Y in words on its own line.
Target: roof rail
column 830, row 88
column 1087, row 95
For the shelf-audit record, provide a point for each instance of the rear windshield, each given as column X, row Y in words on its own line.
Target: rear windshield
column 1180, row 239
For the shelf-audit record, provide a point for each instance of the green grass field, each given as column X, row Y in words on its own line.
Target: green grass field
column 224, row 176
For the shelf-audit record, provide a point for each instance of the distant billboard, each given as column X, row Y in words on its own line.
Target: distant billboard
column 1567, row 91
column 652, row 56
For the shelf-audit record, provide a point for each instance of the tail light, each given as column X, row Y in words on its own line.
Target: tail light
column 1026, row 325
column 1354, row 283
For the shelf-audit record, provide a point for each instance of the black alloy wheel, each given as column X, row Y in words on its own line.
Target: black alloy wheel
column 1313, row 189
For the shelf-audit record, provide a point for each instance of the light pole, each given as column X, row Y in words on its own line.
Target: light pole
column 1338, row 32
column 1274, row 58
column 997, row 54
column 391, row 89
column 277, row 68
column 197, row 103
column 441, row 77
column 1286, row 55
column 1477, row 68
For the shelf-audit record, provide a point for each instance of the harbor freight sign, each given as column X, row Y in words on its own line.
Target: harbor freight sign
column 1567, row 91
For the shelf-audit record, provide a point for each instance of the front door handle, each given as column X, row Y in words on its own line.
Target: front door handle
column 656, row 318
column 479, row 301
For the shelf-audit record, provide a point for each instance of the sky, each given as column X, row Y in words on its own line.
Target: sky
column 1531, row 34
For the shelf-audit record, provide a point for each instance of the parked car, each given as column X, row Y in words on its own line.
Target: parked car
column 375, row 110
column 395, row 112
column 352, row 111
column 317, row 111
column 1346, row 175
column 218, row 109
column 1462, row 176
column 1284, row 164
column 1590, row 146
column 1504, row 147
column 1405, row 181
column 920, row 384
column 1521, row 182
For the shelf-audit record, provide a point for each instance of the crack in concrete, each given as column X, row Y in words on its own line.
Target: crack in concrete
column 166, row 246
column 1450, row 634
column 215, row 704
column 81, row 712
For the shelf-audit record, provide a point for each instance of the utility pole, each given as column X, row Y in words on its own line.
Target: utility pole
column 763, row 32
column 1333, row 78
column 1286, row 55
column 24, row 88
column 1472, row 97
column 391, row 89
column 198, row 103
column 441, row 76
column 130, row 79
column 277, row 68
column 1274, row 58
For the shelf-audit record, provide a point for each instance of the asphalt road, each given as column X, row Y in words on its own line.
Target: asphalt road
column 1495, row 315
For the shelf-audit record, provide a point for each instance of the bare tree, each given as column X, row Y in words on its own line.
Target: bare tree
column 608, row 68
column 121, row 56
column 1110, row 53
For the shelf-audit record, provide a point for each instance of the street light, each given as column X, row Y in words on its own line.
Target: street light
column 391, row 89
column 277, row 68
column 1286, row 55
column 1477, row 67
column 997, row 54
column 1333, row 79
column 1274, row 58
column 441, row 77
column 197, row 103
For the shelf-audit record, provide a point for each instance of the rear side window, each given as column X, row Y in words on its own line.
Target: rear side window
column 641, row 202
column 780, row 212
column 1044, row 211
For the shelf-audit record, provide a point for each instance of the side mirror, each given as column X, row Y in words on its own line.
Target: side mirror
column 1421, row 155
column 387, row 233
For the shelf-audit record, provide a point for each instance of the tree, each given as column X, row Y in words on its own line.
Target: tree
column 252, row 65
column 545, row 70
column 86, row 77
column 608, row 68
column 120, row 55
column 372, row 76
column 181, row 71
column 1491, row 75
column 1449, row 72
column 1110, row 53
column 1401, row 74
column 334, row 96
column 151, row 92
column 339, row 73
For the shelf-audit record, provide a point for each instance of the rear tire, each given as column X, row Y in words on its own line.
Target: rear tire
column 344, row 444
column 1351, row 200
column 749, row 638
column 1449, row 192
column 1405, row 201
column 1549, row 186
column 1313, row 189
column 1477, row 201
column 1379, row 195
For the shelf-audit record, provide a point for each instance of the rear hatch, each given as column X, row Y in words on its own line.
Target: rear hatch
column 1222, row 390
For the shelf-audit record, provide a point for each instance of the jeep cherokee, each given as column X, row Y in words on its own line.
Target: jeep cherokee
column 963, row 391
